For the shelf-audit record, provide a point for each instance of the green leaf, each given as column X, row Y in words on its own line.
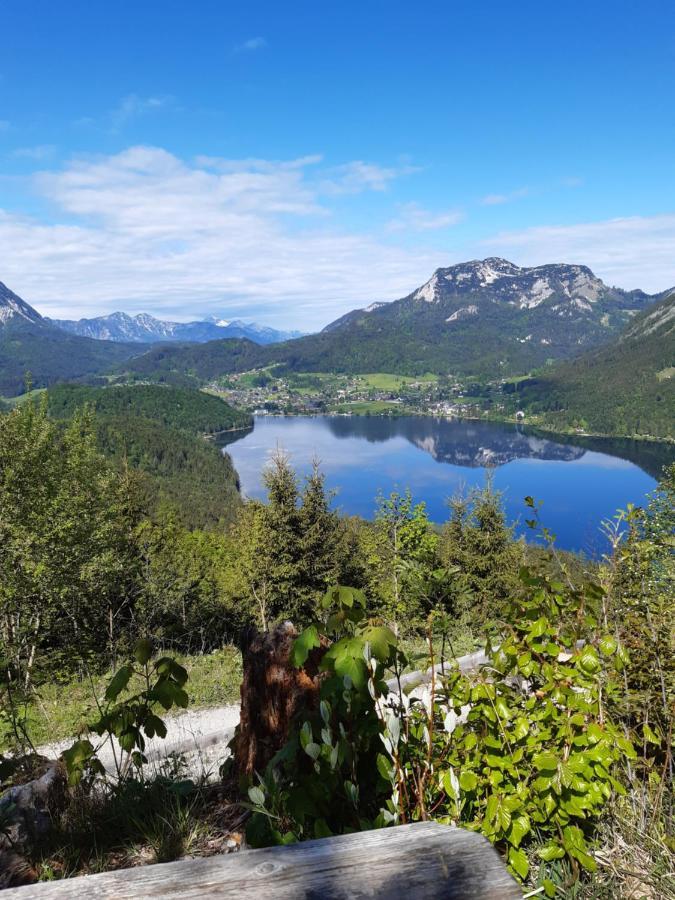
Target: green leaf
column 143, row 651
column 118, row 682
column 382, row 640
column 518, row 862
column 313, row 750
column 549, row 887
column 588, row 661
column 607, row 644
column 384, row 766
column 307, row 640
column 650, row 735
column 468, row 781
column 551, row 851
column 256, row 796
column 154, row 726
column 520, row 826
column 545, row 762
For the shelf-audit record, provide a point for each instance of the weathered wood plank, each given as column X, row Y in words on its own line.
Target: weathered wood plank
column 424, row 861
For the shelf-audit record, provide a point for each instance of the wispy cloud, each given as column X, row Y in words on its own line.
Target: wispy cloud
column 145, row 230
column 133, row 107
column 632, row 252
column 37, row 153
column 254, row 43
column 357, row 176
column 4, row 125
column 498, row 199
column 413, row 217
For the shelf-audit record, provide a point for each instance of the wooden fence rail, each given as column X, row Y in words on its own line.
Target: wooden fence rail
column 423, row 861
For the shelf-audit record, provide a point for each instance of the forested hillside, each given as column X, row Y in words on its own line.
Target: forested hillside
column 625, row 388
column 191, row 410
column 158, row 431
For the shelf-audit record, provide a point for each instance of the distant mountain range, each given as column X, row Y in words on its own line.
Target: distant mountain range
column 484, row 318
column 31, row 344
column 146, row 329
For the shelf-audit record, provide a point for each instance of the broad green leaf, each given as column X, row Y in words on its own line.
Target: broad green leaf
column 607, row 644
column 650, row 735
column 518, row 862
column 118, row 682
column 545, row 762
column 384, row 766
column 143, row 651
column 381, row 640
column 307, row 640
column 520, row 826
column 256, row 796
column 551, row 851
column 588, row 661
column 468, row 781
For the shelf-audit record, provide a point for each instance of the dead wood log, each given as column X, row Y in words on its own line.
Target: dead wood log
column 273, row 692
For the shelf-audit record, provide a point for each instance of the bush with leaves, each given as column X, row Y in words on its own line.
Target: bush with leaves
column 523, row 752
column 131, row 719
column 325, row 780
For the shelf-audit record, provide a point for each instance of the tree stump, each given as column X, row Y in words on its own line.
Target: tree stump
column 273, row 692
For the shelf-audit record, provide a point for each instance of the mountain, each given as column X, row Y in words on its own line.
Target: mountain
column 30, row 343
column 145, row 329
column 484, row 318
column 626, row 387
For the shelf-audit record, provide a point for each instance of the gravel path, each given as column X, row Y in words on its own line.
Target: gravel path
column 199, row 736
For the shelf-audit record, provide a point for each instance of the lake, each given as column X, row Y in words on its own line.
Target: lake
column 580, row 480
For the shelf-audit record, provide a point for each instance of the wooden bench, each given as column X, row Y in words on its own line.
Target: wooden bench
column 424, row 861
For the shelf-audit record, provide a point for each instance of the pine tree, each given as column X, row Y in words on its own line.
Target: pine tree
column 477, row 540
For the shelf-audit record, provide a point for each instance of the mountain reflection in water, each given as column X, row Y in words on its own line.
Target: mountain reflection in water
column 580, row 480
column 461, row 443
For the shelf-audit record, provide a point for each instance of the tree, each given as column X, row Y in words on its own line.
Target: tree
column 292, row 548
column 399, row 546
column 66, row 545
column 187, row 599
column 477, row 540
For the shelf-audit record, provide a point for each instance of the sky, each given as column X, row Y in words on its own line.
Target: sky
column 287, row 162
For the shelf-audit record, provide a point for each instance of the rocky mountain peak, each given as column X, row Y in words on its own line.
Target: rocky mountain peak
column 13, row 307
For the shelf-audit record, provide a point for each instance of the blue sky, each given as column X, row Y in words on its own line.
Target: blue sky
column 287, row 162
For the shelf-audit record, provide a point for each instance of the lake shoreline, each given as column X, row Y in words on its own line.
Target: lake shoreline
column 502, row 420
column 582, row 480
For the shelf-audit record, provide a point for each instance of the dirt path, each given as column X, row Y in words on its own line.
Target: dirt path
column 198, row 736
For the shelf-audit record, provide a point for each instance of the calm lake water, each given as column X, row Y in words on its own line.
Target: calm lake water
column 580, row 481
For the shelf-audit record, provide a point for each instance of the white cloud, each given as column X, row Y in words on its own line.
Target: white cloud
column 498, row 199
column 132, row 107
column 357, row 176
column 412, row 217
column 638, row 251
column 144, row 230
column 255, row 43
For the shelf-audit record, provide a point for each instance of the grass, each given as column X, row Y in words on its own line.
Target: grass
column 139, row 822
column 63, row 709
column 382, row 381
